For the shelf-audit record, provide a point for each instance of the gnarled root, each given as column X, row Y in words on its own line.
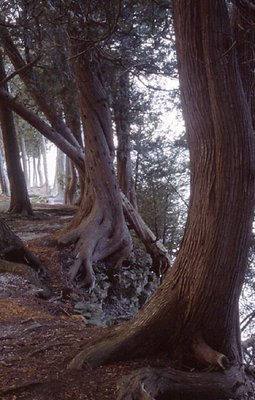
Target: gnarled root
column 97, row 238
column 165, row 384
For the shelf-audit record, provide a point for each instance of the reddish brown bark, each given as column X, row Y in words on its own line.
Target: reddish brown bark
column 193, row 316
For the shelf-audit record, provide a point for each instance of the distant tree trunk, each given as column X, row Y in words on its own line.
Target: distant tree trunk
column 193, row 316
column 70, row 182
column 98, row 229
column 3, row 177
column 58, row 188
column 20, row 202
column 45, row 166
column 39, row 170
column 35, row 181
column 24, row 159
column 72, row 116
column 121, row 109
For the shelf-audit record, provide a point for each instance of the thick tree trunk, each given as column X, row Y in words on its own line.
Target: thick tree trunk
column 194, row 314
column 98, row 229
column 20, row 202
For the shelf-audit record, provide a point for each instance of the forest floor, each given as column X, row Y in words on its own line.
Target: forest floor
column 39, row 337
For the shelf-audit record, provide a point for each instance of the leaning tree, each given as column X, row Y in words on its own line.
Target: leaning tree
column 193, row 316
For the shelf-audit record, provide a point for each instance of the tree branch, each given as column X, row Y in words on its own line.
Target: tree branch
column 20, row 70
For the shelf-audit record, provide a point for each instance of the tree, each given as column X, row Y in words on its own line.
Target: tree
column 20, row 202
column 121, row 110
column 193, row 316
column 99, row 228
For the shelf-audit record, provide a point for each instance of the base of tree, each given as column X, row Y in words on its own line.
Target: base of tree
column 165, row 384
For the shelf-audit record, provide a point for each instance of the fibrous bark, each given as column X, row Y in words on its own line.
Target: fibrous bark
column 99, row 228
column 193, row 316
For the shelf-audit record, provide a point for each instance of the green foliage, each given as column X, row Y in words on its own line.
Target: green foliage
column 162, row 187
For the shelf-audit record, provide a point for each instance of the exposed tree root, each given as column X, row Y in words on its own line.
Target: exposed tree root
column 26, row 272
column 165, row 384
column 97, row 237
column 13, row 249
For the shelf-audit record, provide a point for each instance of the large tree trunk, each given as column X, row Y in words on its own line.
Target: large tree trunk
column 194, row 314
column 98, row 229
column 20, row 202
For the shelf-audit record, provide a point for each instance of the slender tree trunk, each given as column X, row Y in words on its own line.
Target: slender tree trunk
column 72, row 116
column 121, row 109
column 20, row 202
column 24, row 159
column 45, row 166
column 3, row 176
column 70, row 182
column 193, row 316
column 39, row 170
column 35, row 180
column 59, row 180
